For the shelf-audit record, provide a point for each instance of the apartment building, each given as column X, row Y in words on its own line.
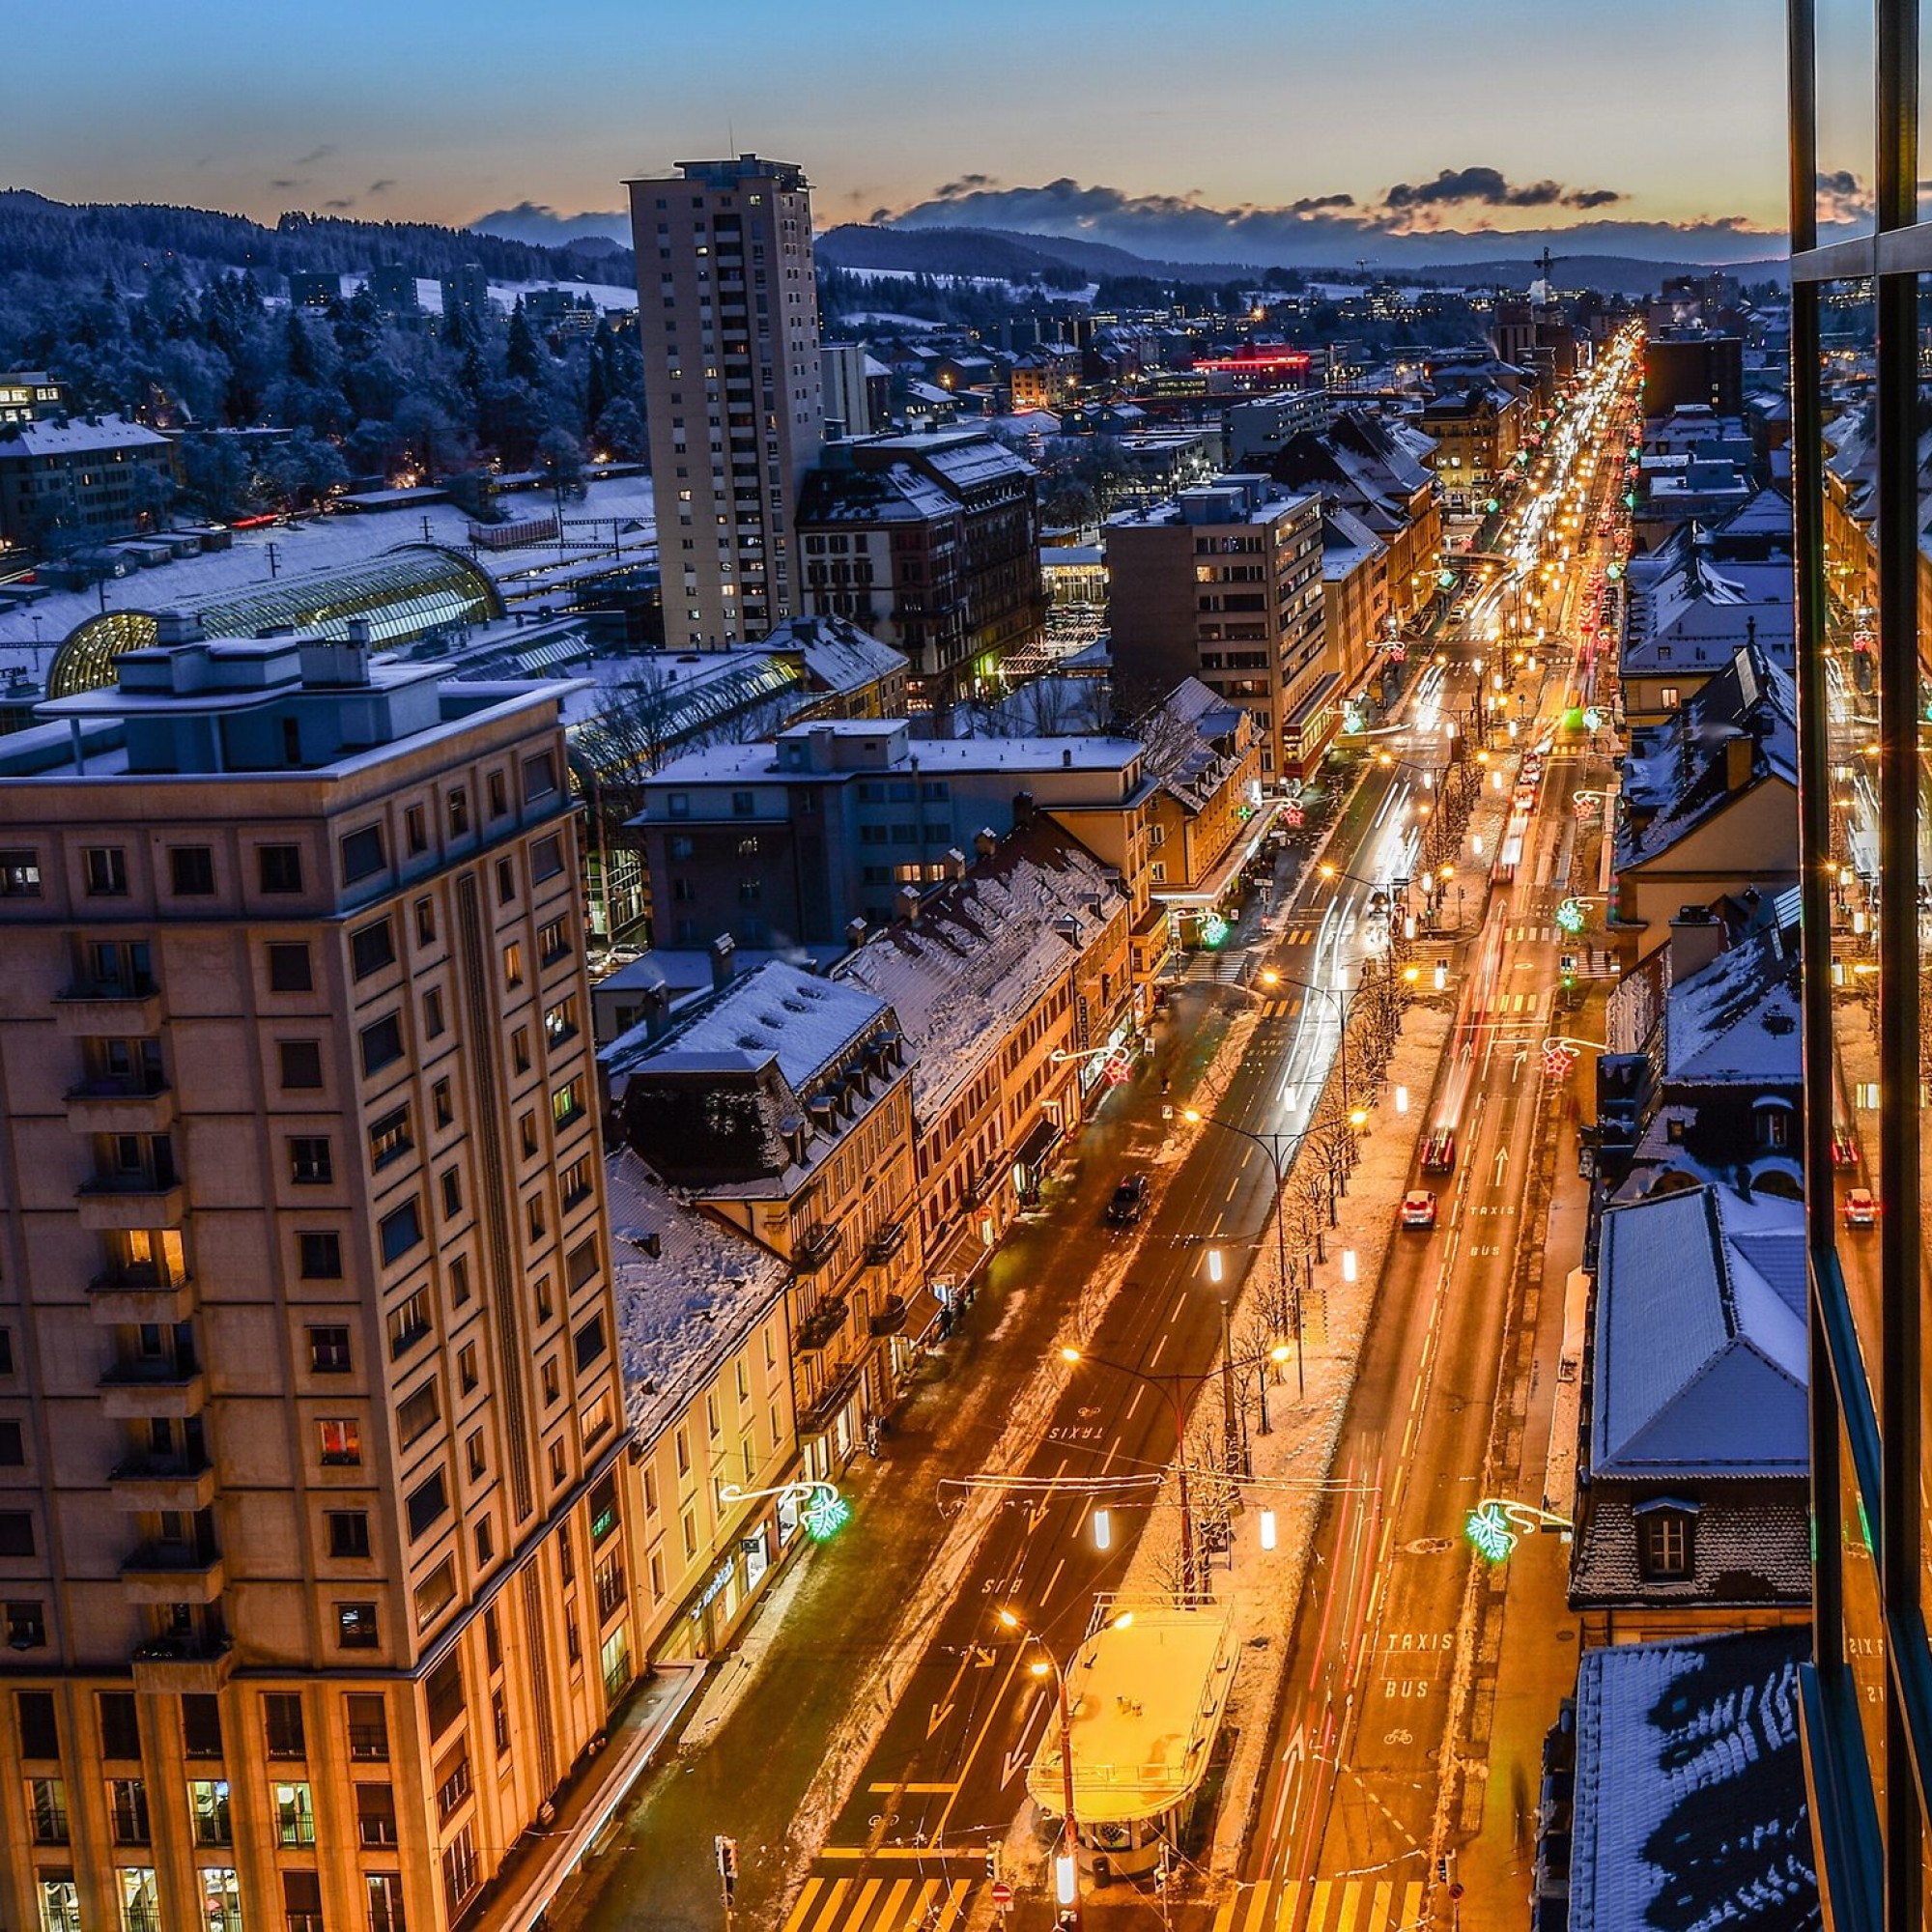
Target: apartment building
column 1012, row 981
column 728, row 319
column 782, row 1106
column 1223, row 583
column 312, row 1550
column 707, row 1369
column 931, row 542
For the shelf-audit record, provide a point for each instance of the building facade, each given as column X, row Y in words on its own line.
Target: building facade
column 1224, row 584
column 1859, row 306
column 728, row 319
column 68, row 483
column 316, row 1578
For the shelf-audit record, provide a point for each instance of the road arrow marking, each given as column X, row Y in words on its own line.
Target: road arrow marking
column 1016, row 1759
column 1502, row 1165
column 982, row 1659
column 940, row 1713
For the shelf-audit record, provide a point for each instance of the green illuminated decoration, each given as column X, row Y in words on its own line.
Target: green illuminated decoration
column 1593, row 719
column 1613, row 572
column 1490, row 1531
column 1570, row 916
column 1445, row 580
column 1213, row 928
column 825, row 1514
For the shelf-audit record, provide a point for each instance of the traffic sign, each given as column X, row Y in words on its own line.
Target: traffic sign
column 1001, row 1894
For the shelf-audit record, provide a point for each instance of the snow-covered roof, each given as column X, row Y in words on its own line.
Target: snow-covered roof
column 76, row 435
column 1700, row 1337
column 983, row 950
column 719, row 764
column 1677, row 774
column 1696, row 612
column 1689, row 1807
column 1188, row 742
column 688, row 1290
column 775, row 1011
column 1735, row 1021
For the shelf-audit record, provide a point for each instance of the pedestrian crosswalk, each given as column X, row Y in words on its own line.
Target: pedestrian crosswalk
column 1331, row 1905
column 909, row 1904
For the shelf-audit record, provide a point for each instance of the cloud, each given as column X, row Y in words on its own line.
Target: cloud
column 377, row 186
column 313, row 154
column 538, row 222
column 1487, row 187
column 287, row 182
column 344, row 200
column 1843, row 196
column 966, row 184
column 1466, row 215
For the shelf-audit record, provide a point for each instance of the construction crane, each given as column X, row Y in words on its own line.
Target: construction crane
column 1546, row 261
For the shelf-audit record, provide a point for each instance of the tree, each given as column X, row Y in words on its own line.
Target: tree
column 214, row 475
column 524, row 357
column 560, row 457
column 304, row 470
column 619, row 431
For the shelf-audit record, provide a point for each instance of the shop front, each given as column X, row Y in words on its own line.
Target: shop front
column 716, row 1611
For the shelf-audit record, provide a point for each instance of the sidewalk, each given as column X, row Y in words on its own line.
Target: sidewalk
column 543, row 1863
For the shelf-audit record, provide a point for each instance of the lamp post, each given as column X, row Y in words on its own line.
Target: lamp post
column 1067, row 1889
column 1280, row 1149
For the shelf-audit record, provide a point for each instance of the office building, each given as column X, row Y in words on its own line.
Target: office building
column 1223, row 583
column 315, row 1571
column 1859, row 394
column 727, row 319
column 1690, row 366
column 30, row 395
column 845, row 375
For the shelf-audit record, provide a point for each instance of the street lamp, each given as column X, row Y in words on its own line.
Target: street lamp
column 1066, row 1876
column 1280, row 1149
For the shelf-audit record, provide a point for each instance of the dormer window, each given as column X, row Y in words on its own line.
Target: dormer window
column 1667, row 1539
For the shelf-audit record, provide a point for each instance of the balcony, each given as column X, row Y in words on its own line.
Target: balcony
column 831, row 1399
column 183, row 1483
column 890, row 1318
column 171, row 1573
column 822, row 1326
column 114, row 1203
column 140, row 1296
column 816, row 1246
column 140, row 1391
column 885, row 1243
column 128, row 1104
column 108, row 1010
column 185, row 1664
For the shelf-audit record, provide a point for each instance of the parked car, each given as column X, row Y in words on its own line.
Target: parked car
column 1861, row 1209
column 1129, row 1201
column 1418, row 1208
column 1438, row 1152
column 1844, row 1146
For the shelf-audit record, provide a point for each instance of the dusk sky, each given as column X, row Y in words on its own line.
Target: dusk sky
column 1157, row 126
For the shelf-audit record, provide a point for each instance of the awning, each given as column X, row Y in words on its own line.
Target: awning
column 1237, row 855
column 963, row 1255
column 1038, row 1143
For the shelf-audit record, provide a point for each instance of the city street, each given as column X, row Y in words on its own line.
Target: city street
column 891, row 1679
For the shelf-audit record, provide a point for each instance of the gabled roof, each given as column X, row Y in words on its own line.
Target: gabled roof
column 688, row 1288
column 1700, row 1353
column 1734, row 1022
column 982, row 949
column 1688, row 1808
column 1678, row 773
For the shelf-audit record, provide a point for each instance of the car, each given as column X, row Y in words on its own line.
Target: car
column 1861, row 1209
column 1844, row 1146
column 1438, row 1152
column 1129, row 1201
column 1418, row 1208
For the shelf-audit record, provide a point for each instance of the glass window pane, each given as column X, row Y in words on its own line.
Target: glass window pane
column 1847, row 144
column 1848, row 458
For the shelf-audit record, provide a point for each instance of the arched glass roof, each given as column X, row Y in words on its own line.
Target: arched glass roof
column 401, row 595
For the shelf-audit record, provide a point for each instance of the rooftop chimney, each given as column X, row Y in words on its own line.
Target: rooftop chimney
column 955, row 863
column 723, row 948
column 905, row 902
column 1697, row 938
column 657, row 1011
column 986, row 841
column 855, row 934
column 177, row 627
